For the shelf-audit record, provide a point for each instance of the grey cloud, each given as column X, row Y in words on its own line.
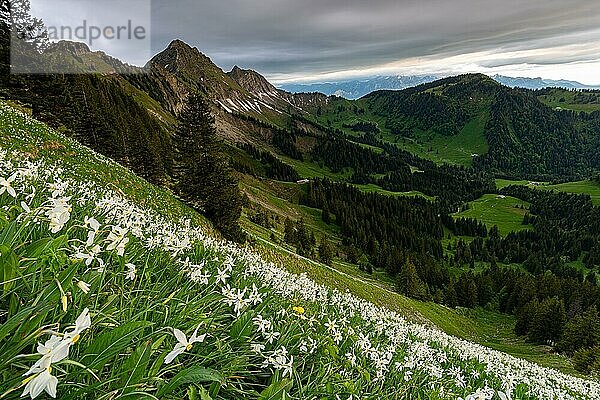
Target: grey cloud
column 278, row 37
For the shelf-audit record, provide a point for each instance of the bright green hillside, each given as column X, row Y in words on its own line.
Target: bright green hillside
column 504, row 211
column 571, row 100
column 454, row 149
column 580, row 187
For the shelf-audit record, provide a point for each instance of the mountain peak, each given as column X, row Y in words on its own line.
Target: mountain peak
column 251, row 80
column 179, row 44
column 180, row 57
column 75, row 48
column 477, row 77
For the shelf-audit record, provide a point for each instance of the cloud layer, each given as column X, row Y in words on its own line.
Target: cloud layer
column 326, row 39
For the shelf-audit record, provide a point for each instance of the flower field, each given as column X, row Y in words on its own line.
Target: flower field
column 107, row 294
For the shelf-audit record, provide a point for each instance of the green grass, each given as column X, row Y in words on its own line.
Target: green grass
column 582, row 187
column 590, row 188
column 458, row 149
column 372, row 188
column 570, row 100
column 310, row 170
column 496, row 331
column 281, row 199
column 502, row 183
column 492, row 210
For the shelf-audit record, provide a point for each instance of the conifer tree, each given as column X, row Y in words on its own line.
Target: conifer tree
column 203, row 176
column 547, row 321
column 326, row 251
column 409, row 283
column 581, row 332
column 289, row 232
column 325, row 216
column 451, row 298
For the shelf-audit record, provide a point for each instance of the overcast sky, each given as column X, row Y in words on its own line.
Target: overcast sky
column 333, row 39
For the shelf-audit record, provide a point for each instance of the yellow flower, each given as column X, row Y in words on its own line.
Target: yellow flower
column 298, row 310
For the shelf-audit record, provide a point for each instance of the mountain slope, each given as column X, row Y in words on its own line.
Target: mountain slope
column 304, row 327
column 502, row 130
column 252, row 81
column 527, row 138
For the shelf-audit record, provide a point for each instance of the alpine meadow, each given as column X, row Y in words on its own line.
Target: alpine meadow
column 404, row 203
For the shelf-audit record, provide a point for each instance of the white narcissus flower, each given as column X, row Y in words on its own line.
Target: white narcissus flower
column 43, row 381
column 222, row 275
column 131, row 271
column 59, row 213
column 85, row 287
column 5, row 185
column 263, row 325
column 118, row 240
column 94, row 225
column 183, row 344
column 255, row 297
column 270, row 337
column 90, row 256
column 53, row 350
column 82, row 323
column 257, row 347
column 199, row 276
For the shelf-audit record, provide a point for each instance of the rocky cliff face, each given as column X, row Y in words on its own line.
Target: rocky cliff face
column 252, row 81
column 181, row 68
column 274, row 98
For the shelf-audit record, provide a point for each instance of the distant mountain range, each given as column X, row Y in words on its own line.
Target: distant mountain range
column 540, row 83
column 357, row 88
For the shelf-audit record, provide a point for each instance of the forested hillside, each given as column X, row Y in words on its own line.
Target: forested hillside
column 525, row 137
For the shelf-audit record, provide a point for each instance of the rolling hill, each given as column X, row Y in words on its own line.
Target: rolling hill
column 473, row 120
